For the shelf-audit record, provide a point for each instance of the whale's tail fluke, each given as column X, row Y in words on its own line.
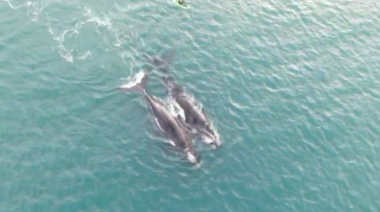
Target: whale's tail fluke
column 137, row 83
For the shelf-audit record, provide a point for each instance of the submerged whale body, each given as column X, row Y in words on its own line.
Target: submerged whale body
column 160, row 62
column 170, row 126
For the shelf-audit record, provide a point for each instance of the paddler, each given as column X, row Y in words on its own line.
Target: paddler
column 182, row 2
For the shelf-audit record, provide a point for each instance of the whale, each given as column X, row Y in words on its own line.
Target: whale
column 193, row 116
column 175, row 132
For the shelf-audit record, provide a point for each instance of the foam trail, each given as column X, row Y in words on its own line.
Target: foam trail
column 15, row 7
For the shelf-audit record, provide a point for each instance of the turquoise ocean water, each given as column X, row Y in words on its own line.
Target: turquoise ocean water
column 292, row 86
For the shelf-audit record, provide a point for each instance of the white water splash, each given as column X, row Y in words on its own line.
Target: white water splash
column 33, row 8
column 91, row 18
column 60, row 38
column 85, row 56
column 70, row 33
column 191, row 157
column 15, row 7
column 207, row 139
column 132, row 80
column 175, row 109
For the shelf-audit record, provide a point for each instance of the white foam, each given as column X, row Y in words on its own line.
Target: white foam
column 191, row 157
column 199, row 105
column 139, row 76
column 92, row 18
column 60, row 38
column 172, row 110
column 127, row 85
column 133, row 81
column 71, row 32
column 15, row 7
column 175, row 109
column 207, row 139
column 181, row 113
column 172, row 142
column 85, row 56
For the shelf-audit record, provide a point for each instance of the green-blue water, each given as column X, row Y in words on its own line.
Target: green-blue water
column 292, row 86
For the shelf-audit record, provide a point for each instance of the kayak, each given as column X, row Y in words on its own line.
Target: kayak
column 185, row 5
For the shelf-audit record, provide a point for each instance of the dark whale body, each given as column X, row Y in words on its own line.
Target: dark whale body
column 194, row 117
column 170, row 126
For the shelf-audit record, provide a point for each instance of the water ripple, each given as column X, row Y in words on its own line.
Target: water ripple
column 291, row 86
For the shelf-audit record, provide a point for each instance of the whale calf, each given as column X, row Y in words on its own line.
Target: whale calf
column 193, row 116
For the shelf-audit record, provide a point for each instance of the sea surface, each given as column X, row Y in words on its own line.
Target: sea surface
column 293, row 87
